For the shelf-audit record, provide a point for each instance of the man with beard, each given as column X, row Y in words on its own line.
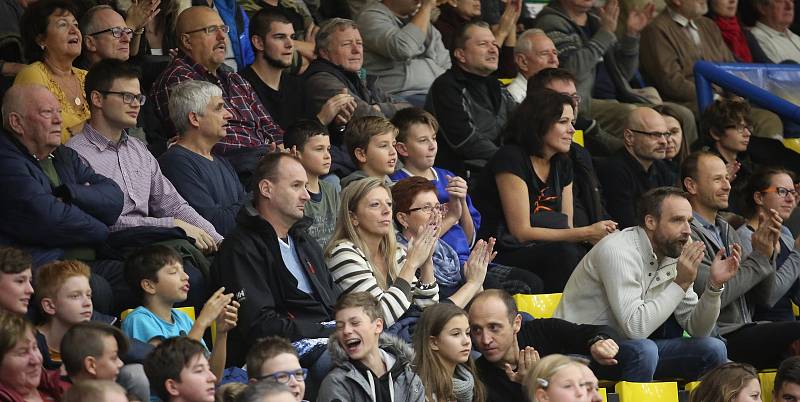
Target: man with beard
column 272, row 36
column 762, row 344
column 639, row 281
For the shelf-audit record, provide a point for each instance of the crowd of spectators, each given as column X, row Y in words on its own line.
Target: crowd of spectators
column 288, row 200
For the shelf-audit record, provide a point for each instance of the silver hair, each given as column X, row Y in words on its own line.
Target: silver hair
column 190, row 97
column 17, row 100
column 525, row 40
column 262, row 390
column 323, row 38
column 88, row 24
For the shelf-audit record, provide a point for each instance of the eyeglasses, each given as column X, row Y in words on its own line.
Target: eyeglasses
column 115, row 31
column 283, row 377
column 127, row 97
column 653, row 134
column 429, row 208
column 740, row 127
column 575, row 97
column 782, row 192
column 211, row 29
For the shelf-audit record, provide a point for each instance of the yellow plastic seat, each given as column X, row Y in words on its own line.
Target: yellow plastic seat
column 649, row 392
column 539, row 306
column 602, row 392
column 792, row 143
column 767, row 380
column 690, row 386
column 795, row 310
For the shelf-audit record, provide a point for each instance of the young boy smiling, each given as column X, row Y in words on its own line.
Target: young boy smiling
column 368, row 366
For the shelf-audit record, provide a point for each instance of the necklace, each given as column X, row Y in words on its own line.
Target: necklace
column 77, row 101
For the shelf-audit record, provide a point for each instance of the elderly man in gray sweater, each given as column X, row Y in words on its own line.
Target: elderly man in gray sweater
column 639, row 281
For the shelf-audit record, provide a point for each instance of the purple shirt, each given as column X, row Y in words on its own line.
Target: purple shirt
column 150, row 199
column 250, row 126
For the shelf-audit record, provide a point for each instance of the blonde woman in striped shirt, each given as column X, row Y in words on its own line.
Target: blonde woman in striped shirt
column 363, row 254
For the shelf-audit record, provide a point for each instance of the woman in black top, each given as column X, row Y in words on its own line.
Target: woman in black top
column 525, row 194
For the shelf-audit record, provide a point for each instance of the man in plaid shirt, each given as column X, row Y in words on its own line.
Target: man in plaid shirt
column 251, row 130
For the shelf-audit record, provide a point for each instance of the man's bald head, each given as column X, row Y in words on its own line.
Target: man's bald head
column 19, row 98
column 644, row 118
column 205, row 47
column 190, row 19
column 645, row 136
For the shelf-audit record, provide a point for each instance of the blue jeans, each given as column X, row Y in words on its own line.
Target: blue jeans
column 641, row 360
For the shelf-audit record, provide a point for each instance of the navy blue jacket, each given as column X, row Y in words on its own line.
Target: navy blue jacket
column 32, row 215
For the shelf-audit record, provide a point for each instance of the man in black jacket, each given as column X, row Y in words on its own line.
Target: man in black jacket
column 510, row 347
column 469, row 103
column 276, row 270
column 55, row 206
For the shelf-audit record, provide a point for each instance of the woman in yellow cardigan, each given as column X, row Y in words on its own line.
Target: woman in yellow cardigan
column 52, row 42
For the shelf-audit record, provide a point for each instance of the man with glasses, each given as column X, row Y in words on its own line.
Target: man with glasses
column 274, row 359
column 638, row 167
column 150, row 200
column 251, row 131
column 762, row 344
column 105, row 36
column 604, row 59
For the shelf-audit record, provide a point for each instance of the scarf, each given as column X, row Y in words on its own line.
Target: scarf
column 463, row 384
column 734, row 37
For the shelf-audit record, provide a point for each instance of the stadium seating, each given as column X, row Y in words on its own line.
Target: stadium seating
column 650, row 392
column 539, row 306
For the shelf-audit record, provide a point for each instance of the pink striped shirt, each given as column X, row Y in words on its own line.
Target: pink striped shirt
column 150, row 198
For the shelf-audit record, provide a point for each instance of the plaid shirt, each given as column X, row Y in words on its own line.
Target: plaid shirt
column 149, row 198
column 250, row 126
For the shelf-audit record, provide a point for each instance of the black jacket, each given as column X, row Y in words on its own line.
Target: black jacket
column 40, row 217
column 624, row 180
column 586, row 195
column 547, row 336
column 249, row 264
column 472, row 112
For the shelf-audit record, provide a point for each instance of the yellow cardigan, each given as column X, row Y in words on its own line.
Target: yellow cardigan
column 72, row 115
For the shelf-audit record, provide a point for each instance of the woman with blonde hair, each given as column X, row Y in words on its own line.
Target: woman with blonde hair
column 557, row 378
column 443, row 360
column 363, row 254
column 730, row 382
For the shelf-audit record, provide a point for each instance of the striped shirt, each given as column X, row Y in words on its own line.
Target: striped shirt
column 353, row 273
column 149, row 198
column 250, row 125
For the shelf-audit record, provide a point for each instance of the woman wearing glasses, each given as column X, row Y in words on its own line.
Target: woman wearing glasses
column 52, row 42
column 773, row 189
column 525, row 195
column 726, row 131
column 363, row 254
column 415, row 205
column 677, row 148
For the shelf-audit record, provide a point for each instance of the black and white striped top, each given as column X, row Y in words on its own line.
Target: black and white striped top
column 351, row 270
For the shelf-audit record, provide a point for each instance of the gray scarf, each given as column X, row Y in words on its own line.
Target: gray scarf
column 463, row 384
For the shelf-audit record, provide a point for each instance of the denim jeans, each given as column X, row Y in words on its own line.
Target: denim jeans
column 642, row 360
